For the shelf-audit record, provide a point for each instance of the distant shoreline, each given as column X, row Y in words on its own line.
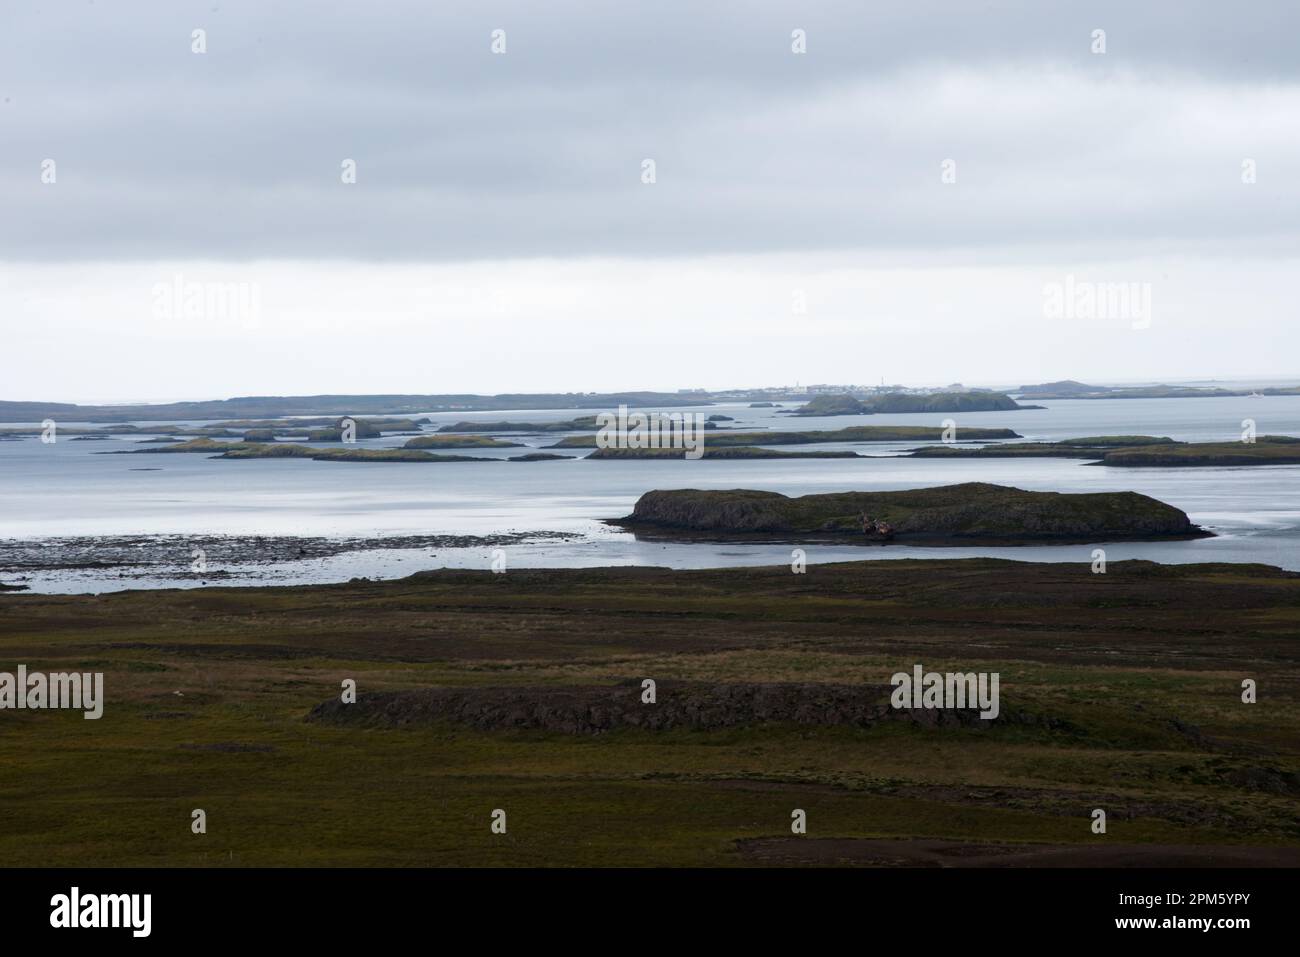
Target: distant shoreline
column 266, row 407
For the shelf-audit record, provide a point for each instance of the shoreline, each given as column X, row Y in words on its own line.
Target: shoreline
column 651, row 532
column 252, row 575
column 225, row 557
column 88, row 565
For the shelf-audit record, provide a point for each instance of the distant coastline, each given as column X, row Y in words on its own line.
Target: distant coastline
column 816, row 400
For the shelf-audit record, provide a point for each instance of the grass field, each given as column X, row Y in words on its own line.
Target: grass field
column 1119, row 691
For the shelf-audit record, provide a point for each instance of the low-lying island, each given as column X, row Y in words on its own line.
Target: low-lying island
column 966, row 514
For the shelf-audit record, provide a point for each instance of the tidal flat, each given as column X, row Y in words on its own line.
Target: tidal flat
column 1120, row 691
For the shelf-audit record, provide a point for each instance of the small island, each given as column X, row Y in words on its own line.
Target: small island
column 728, row 452
column 854, row 433
column 289, row 450
column 1073, row 389
column 460, row 442
column 971, row 513
column 580, row 424
column 896, row 402
column 1137, row 451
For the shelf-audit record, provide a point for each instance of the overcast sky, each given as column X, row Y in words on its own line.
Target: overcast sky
column 500, row 234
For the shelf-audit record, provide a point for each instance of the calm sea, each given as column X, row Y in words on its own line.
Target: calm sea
column 67, row 490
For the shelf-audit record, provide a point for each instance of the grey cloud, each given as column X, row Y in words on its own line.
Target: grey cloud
column 462, row 154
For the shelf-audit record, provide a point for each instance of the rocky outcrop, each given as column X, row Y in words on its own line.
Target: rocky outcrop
column 877, row 529
column 696, row 706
